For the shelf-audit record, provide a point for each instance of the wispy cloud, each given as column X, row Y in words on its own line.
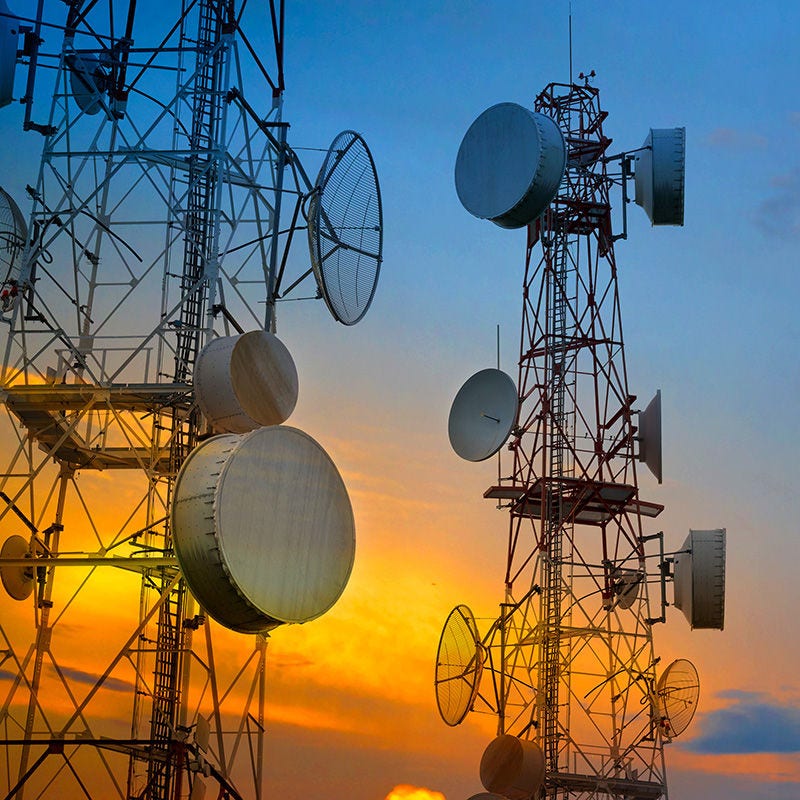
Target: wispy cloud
column 735, row 139
column 751, row 725
column 779, row 213
column 79, row 676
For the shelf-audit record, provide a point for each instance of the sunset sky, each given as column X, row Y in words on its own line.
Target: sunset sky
column 709, row 313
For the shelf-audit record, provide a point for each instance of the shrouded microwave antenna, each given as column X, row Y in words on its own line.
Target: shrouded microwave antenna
column 345, row 228
column 459, row 665
column 510, row 164
column 678, row 691
column 513, row 767
column 245, row 381
column 18, row 581
column 650, row 436
column 699, row 579
column 9, row 37
column 87, row 81
column 482, row 414
column 660, row 175
column 263, row 528
column 13, row 233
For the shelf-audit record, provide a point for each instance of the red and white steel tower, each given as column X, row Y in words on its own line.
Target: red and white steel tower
column 580, row 710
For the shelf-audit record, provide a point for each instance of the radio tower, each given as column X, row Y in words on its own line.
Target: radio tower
column 580, row 710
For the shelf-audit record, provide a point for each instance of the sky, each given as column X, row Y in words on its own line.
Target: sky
column 709, row 318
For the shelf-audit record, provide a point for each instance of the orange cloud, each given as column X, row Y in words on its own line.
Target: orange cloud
column 405, row 792
column 770, row 767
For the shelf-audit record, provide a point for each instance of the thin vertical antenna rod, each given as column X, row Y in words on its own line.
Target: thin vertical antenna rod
column 570, row 42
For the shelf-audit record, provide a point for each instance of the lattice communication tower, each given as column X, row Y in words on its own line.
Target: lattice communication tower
column 580, row 710
column 139, row 304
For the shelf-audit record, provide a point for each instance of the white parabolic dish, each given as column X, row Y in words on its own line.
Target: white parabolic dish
column 482, row 414
column 509, row 165
column 245, row 381
column 263, row 528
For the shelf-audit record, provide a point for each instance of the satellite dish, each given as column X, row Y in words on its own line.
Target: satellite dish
column 510, row 164
column 650, row 436
column 459, row 665
column 512, row 767
column 17, row 581
column 13, row 233
column 699, row 579
column 482, row 414
column 263, row 528
column 626, row 583
column 676, row 697
column 345, row 228
column 9, row 38
column 87, row 80
column 245, row 381
column 486, row 796
column 659, row 175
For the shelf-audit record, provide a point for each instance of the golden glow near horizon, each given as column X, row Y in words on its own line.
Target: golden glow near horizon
column 405, row 792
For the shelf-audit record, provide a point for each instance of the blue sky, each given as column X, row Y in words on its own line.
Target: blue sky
column 709, row 313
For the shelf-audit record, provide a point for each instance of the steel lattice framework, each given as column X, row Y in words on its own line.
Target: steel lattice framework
column 571, row 654
column 154, row 226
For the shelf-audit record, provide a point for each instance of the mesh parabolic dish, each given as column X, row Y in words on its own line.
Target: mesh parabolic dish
column 345, row 228
column 459, row 665
column 677, row 693
column 13, row 233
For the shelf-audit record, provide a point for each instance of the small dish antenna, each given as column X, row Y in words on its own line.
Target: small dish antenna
column 459, row 666
column 660, row 175
column 9, row 38
column 17, row 581
column 627, row 583
column 13, row 233
column 677, row 694
column 245, row 381
column 87, row 80
column 699, row 579
column 263, row 528
column 512, row 767
column 483, row 414
column 650, row 436
column 345, row 228
column 510, row 164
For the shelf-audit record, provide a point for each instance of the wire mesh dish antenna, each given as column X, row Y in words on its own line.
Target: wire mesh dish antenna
column 345, row 228
column 13, row 232
column 678, row 692
column 459, row 665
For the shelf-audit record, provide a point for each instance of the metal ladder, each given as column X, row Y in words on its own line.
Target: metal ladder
column 559, row 466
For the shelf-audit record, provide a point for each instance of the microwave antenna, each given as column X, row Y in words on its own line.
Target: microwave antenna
column 149, row 479
column 574, row 683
